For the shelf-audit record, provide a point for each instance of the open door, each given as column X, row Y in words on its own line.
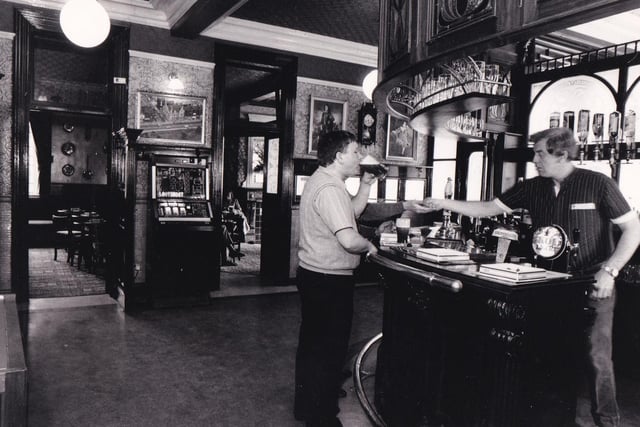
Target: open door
column 247, row 81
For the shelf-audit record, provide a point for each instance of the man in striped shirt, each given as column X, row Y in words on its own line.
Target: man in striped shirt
column 591, row 202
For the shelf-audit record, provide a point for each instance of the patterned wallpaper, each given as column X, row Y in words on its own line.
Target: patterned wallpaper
column 6, row 96
column 6, row 67
column 355, row 99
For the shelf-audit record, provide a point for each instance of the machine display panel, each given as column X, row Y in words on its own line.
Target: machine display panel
column 178, row 181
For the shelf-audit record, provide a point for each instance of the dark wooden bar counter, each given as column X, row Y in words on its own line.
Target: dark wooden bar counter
column 463, row 350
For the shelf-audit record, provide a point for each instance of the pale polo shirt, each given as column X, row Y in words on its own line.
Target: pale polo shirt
column 325, row 209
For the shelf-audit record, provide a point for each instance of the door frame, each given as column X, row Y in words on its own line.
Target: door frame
column 276, row 229
column 23, row 72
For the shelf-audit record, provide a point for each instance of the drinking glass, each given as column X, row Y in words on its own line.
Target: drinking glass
column 491, row 77
column 554, row 120
column 478, row 75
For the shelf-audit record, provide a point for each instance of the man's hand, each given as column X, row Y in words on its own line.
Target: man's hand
column 432, row 204
column 415, row 206
column 368, row 178
column 603, row 287
column 372, row 250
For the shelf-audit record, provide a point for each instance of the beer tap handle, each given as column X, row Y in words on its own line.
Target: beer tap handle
column 576, row 241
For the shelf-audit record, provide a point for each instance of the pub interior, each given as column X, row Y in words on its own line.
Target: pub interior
column 151, row 178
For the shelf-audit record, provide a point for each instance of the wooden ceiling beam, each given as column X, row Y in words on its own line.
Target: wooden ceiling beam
column 203, row 14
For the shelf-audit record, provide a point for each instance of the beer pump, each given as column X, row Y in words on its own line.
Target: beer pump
column 446, row 230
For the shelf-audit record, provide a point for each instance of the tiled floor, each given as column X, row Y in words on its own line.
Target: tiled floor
column 49, row 278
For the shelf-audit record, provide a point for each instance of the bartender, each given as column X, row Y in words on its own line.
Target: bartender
column 591, row 202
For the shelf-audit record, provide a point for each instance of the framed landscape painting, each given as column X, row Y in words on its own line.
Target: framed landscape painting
column 170, row 119
column 325, row 115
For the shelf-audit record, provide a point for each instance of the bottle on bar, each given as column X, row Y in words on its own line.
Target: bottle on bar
column 568, row 120
column 597, row 128
column 630, row 133
column 614, row 126
column 446, row 214
column 583, row 131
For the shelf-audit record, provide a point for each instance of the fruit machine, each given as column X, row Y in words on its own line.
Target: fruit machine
column 184, row 264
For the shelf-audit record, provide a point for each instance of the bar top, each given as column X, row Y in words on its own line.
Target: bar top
column 456, row 275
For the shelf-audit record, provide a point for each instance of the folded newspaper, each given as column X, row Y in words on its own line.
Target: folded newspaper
column 441, row 254
column 513, row 271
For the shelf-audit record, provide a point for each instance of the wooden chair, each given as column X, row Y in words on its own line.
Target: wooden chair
column 67, row 236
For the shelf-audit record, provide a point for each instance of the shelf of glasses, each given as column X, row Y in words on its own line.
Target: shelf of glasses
column 432, row 120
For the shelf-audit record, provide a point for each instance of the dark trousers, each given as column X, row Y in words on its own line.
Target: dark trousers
column 327, row 311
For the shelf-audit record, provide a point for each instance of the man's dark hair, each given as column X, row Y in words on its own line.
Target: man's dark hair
column 332, row 143
column 559, row 140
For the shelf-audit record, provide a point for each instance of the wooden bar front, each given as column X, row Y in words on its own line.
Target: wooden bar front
column 461, row 350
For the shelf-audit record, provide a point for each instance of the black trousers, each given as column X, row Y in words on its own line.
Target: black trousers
column 327, row 312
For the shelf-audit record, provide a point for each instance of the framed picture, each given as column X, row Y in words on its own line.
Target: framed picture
column 401, row 140
column 255, row 160
column 325, row 115
column 170, row 119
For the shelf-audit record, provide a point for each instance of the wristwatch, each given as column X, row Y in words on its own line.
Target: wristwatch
column 613, row 272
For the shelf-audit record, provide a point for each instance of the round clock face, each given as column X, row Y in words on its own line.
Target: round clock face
column 368, row 120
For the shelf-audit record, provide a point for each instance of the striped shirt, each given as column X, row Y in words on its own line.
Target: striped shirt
column 587, row 200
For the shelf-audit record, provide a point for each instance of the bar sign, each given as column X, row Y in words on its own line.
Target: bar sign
column 120, row 80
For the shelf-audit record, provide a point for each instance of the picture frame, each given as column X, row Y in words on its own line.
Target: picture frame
column 401, row 140
column 171, row 119
column 255, row 162
column 325, row 115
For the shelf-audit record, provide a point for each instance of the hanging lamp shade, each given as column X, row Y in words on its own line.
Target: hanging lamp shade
column 85, row 22
column 369, row 83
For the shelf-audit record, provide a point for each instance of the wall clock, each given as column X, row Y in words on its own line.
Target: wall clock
column 367, row 122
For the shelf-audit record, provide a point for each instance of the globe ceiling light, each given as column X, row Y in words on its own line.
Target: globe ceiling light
column 369, row 83
column 85, row 22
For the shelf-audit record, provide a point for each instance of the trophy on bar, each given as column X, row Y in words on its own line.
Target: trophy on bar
column 597, row 128
column 583, row 131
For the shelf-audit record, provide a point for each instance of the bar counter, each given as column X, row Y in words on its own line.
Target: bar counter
column 460, row 349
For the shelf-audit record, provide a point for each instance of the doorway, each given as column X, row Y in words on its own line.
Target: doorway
column 255, row 93
column 67, row 182
column 62, row 175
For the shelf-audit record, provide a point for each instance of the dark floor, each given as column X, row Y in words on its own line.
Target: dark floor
column 227, row 364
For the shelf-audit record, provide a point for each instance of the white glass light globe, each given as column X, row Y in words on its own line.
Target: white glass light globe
column 369, row 83
column 85, row 22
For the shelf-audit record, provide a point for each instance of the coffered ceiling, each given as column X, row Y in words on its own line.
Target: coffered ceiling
column 336, row 29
